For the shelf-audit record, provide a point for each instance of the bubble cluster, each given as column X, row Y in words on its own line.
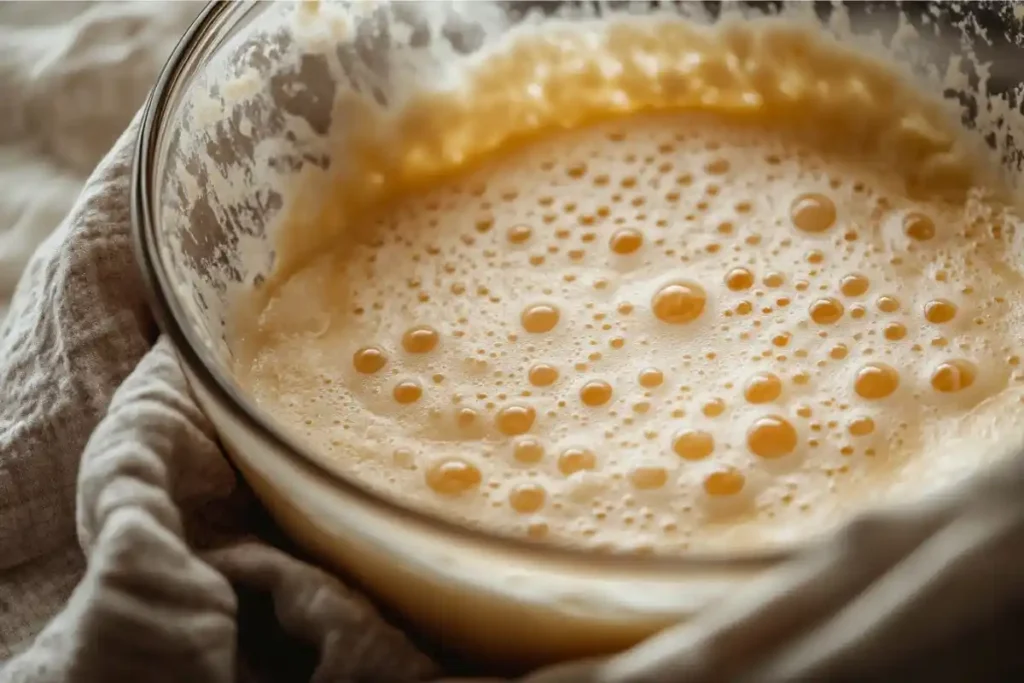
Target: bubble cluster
column 615, row 334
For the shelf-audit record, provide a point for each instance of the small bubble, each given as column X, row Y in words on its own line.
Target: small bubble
column 771, row 436
column 453, row 476
column 918, row 227
column 813, row 212
column 528, row 450
column 939, row 311
column 876, row 381
column 725, row 482
column 648, row 477
column 369, row 360
column 861, row 426
column 595, row 393
column 679, row 303
column 717, row 167
column 739, row 279
column 887, row 304
column 895, row 331
column 577, row 171
column 826, row 311
column 693, row 444
column 422, row 339
column 626, row 241
column 466, row 417
column 953, row 375
column 762, row 388
column 713, row 408
column 539, row 318
column 518, row 234
column 854, row 285
column 527, row 497
column 650, row 378
column 514, row 420
column 407, row 391
column 573, row 460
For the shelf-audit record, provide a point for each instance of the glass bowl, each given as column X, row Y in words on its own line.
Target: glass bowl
column 244, row 107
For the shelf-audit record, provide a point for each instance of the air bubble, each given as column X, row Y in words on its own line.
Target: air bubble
column 369, row 360
column 826, row 311
column 813, row 212
column 693, row 444
column 519, row 234
column 573, row 460
column 514, row 420
column 876, row 381
column 650, row 378
column 539, row 318
column 854, row 285
column 713, row 407
column 527, row 497
column 422, row 339
column 595, row 393
column 771, row 436
column 727, row 482
column 939, row 311
column 453, row 476
column 407, row 391
column 861, row 426
column 895, row 331
column 648, row 477
column 887, row 304
column 626, row 241
column 739, row 279
column 762, row 388
column 918, row 227
column 953, row 375
column 528, row 450
column 679, row 303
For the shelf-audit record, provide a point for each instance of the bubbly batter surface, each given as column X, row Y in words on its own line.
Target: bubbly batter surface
column 723, row 322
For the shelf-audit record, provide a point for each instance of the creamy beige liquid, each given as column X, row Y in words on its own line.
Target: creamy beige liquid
column 723, row 321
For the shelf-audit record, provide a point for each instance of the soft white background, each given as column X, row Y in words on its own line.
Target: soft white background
column 72, row 74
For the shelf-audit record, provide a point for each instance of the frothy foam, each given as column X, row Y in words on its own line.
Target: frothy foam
column 667, row 331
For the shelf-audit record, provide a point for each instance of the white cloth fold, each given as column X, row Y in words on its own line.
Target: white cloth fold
column 91, row 401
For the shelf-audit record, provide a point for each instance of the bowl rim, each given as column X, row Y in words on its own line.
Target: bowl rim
column 169, row 314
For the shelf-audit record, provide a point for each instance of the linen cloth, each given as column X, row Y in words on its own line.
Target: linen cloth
column 129, row 550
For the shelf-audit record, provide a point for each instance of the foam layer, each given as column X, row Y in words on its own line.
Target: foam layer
column 707, row 329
